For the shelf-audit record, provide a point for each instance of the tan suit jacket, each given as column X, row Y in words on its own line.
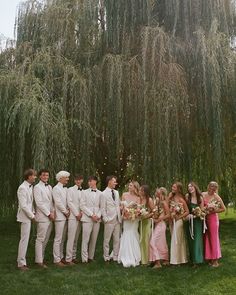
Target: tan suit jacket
column 110, row 208
column 59, row 194
column 90, row 204
column 43, row 201
column 25, row 202
column 74, row 196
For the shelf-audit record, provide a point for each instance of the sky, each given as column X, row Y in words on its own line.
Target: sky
column 8, row 9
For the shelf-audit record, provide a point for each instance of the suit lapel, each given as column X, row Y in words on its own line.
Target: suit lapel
column 45, row 190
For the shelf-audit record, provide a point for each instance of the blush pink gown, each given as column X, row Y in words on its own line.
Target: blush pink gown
column 158, row 249
column 211, row 237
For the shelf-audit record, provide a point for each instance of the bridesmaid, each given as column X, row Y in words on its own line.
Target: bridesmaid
column 195, row 224
column 145, row 223
column 158, row 249
column 178, row 211
column 214, row 205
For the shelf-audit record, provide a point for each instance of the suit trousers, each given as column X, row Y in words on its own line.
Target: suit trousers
column 89, row 239
column 74, row 228
column 111, row 229
column 23, row 244
column 44, row 230
column 60, row 236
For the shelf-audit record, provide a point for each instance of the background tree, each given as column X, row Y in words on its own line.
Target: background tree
column 105, row 85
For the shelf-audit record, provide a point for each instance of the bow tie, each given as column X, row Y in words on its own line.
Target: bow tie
column 93, row 190
column 80, row 188
column 46, row 184
column 30, row 185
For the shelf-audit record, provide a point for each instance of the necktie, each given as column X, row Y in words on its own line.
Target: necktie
column 80, row 188
column 113, row 195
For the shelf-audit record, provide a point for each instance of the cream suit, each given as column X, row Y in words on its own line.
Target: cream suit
column 44, row 206
column 110, row 209
column 74, row 195
column 59, row 194
column 90, row 205
column 24, row 215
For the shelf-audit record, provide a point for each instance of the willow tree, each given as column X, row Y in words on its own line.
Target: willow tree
column 142, row 88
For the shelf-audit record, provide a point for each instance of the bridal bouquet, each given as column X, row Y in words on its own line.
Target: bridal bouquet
column 198, row 212
column 131, row 210
column 176, row 208
column 212, row 206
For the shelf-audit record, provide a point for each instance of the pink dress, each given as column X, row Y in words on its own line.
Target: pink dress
column 211, row 237
column 158, row 249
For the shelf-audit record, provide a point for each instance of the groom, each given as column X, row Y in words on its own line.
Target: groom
column 110, row 208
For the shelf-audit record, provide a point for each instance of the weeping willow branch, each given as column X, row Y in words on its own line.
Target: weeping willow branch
column 105, row 86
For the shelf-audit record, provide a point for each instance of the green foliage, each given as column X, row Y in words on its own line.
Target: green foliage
column 94, row 85
column 100, row 278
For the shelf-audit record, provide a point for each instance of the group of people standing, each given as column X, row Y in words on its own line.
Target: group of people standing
column 136, row 222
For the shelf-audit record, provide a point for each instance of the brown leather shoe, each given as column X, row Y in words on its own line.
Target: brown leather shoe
column 70, row 263
column 60, row 264
column 63, row 260
column 75, row 261
column 23, row 268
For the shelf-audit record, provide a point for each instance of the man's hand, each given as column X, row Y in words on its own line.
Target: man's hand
column 67, row 214
column 51, row 216
column 95, row 218
column 78, row 217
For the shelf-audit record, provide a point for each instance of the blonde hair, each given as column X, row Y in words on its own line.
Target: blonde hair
column 214, row 184
column 136, row 187
column 163, row 192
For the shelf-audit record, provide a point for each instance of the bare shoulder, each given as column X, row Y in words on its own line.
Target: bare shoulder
column 218, row 198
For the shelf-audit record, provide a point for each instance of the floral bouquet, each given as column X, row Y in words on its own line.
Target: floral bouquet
column 176, row 209
column 198, row 212
column 130, row 210
column 143, row 212
column 212, row 206
column 157, row 211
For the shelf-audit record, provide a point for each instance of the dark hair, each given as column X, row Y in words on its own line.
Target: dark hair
column 147, row 194
column 108, row 178
column 78, row 177
column 28, row 173
column 41, row 171
column 93, row 177
column 198, row 194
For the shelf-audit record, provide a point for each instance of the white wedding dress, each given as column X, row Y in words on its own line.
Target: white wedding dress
column 129, row 253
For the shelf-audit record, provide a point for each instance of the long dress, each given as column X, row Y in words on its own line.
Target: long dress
column 158, row 249
column 211, row 237
column 145, row 234
column 129, row 253
column 178, row 249
column 195, row 237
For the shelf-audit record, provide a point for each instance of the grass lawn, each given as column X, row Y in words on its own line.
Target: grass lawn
column 100, row 278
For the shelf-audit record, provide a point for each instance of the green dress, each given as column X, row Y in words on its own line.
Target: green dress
column 145, row 234
column 195, row 238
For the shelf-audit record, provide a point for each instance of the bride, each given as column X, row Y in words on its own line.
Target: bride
column 129, row 253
